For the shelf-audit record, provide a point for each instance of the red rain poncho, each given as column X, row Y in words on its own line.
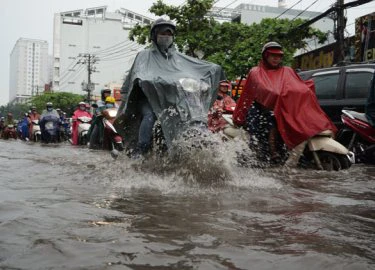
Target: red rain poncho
column 216, row 122
column 296, row 108
column 77, row 113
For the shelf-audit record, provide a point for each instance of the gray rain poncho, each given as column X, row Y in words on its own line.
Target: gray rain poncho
column 179, row 88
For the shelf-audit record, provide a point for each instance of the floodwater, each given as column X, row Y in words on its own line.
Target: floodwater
column 65, row 207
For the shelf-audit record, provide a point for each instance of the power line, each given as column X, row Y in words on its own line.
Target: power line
column 288, row 9
column 119, row 50
column 304, row 10
column 108, row 48
column 125, row 44
column 227, row 5
column 122, row 56
column 72, row 76
column 69, row 67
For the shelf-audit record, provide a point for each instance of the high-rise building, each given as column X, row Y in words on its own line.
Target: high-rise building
column 28, row 69
column 91, row 48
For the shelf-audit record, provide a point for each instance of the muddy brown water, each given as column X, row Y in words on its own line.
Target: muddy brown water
column 65, row 207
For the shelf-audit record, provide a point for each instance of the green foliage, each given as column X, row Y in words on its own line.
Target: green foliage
column 16, row 109
column 234, row 46
column 67, row 102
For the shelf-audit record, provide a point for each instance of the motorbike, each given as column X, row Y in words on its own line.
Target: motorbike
column 104, row 135
column 83, row 128
column 65, row 130
column 37, row 134
column 358, row 136
column 9, row 132
column 320, row 152
column 50, row 129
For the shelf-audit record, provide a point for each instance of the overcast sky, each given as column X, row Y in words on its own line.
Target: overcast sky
column 34, row 19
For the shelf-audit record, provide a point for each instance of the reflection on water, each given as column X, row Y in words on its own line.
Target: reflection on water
column 64, row 207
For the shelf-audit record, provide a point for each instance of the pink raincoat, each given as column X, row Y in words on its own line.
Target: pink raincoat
column 77, row 113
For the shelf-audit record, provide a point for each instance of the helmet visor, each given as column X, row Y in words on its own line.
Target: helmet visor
column 164, row 28
column 275, row 51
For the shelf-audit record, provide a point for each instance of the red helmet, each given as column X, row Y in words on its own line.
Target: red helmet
column 272, row 47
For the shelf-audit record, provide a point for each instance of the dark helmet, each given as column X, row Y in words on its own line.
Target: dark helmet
column 106, row 90
column 161, row 25
column 49, row 104
column 272, row 47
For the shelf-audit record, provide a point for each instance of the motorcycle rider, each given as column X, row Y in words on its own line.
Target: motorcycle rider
column 104, row 93
column 23, row 127
column 79, row 112
column 88, row 108
column 276, row 95
column 152, row 89
column 224, row 102
column 110, row 102
column 34, row 115
column 96, row 131
column 2, row 125
column 49, row 111
column 10, row 127
column 162, row 35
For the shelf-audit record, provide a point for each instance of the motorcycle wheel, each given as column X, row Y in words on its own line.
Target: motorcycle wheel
column 37, row 138
column 83, row 140
column 331, row 161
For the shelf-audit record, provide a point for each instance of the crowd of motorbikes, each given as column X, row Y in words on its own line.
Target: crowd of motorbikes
column 96, row 131
column 54, row 129
column 355, row 143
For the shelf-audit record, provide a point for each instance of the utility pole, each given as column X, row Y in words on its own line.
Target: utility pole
column 89, row 87
column 337, row 14
column 339, row 31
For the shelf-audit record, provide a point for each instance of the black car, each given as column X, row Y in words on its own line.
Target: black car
column 342, row 87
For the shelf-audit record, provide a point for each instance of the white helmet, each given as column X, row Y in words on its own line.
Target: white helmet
column 272, row 47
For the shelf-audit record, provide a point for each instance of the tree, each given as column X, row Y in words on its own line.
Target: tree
column 239, row 45
column 234, row 46
column 16, row 109
column 67, row 102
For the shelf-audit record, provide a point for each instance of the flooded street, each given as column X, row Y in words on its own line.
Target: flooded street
column 64, row 207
